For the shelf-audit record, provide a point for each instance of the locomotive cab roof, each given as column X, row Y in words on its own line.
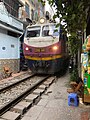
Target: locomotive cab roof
column 41, row 21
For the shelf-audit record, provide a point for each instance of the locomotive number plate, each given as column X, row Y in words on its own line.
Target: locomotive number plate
column 39, row 50
column 42, row 50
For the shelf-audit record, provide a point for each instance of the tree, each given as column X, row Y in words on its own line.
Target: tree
column 74, row 14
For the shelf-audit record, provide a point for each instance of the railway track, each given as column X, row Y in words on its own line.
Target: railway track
column 5, row 84
column 12, row 94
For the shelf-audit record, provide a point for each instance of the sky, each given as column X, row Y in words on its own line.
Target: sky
column 52, row 10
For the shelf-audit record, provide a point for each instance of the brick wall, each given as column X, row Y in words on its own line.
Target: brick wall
column 13, row 64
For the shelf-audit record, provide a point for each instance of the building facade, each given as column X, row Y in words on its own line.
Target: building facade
column 13, row 14
column 32, row 9
column 10, row 30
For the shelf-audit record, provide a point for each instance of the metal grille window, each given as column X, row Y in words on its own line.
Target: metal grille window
column 27, row 9
column 32, row 14
column 12, row 7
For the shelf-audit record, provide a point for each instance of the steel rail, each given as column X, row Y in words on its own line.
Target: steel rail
column 20, row 97
column 13, row 84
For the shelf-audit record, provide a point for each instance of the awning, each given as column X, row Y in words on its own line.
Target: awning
column 11, row 28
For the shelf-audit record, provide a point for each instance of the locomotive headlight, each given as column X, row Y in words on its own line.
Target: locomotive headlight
column 55, row 48
column 42, row 20
column 26, row 48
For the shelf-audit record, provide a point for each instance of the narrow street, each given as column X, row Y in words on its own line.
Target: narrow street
column 53, row 104
column 44, row 37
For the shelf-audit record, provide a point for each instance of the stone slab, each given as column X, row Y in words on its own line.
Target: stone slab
column 11, row 116
column 42, row 87
column 46, row 83
column 31, row 97
column 19, row 109
column 25, row 104
column 51, row 79
column 38, row 91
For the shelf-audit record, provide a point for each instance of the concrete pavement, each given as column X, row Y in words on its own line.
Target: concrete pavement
column 54, row 105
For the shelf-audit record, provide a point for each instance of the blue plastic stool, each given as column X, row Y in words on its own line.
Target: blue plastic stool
column 73, row 99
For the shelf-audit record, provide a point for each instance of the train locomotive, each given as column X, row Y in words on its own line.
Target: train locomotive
column 45, row 48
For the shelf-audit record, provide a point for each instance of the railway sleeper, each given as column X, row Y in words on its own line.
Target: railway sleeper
column 48, row 82
column 9, row 115
column 38, row 91
column 22, row 107
column 32, row 99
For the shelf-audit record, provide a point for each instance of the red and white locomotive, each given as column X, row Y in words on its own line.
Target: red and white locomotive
column 44, row 49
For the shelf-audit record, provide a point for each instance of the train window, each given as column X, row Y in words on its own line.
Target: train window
column 55, row 30
column 45, row 31
column 56, row 33
column 50, row 30
column 33, row 32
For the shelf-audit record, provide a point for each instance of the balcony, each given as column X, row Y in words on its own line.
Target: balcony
column 7, row 20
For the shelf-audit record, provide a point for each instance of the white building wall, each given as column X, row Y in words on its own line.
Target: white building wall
column 7, row 18
column 9, row 47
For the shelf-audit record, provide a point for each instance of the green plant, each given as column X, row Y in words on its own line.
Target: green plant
column 74, row 74
column 72, row 13
column 74, row 44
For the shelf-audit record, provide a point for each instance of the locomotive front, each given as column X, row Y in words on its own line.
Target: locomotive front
column 42, row 48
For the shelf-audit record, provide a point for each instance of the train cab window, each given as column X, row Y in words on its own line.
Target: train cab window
column 50, row 30
column 56, row 33
column 53, row 30
column 45, row 31
column 33, row 32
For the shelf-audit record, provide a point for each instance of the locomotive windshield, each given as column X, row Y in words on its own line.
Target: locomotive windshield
column 33, row 31
column 48, row 30
column 45, row 30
